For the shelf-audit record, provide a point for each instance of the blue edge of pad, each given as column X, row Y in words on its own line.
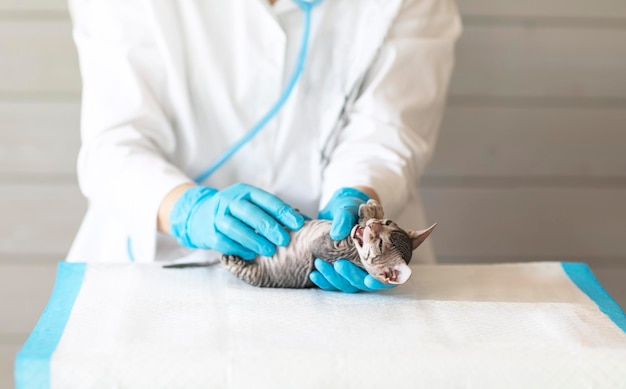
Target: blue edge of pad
column 32, row 363
column 583, row 277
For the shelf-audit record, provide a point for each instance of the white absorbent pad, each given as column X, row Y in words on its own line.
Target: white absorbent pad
column 531, row 325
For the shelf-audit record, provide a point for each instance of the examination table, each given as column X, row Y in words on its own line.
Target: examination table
column 527, row 325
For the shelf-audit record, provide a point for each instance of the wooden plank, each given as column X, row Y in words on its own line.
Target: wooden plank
column 604, row 9
column 612, row 278
column 39, row 218
column 7, row 357
column 33, row 5
column 493, row 61
column 524, row 61
column 520, row 142
column 528, row 8
column 477, row 141
column 39, row 138
column 25, row 290
column 38, row 57
column 562, row 224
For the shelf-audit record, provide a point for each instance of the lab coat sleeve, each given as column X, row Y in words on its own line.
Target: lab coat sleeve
column 394, row 121
column 125, row 161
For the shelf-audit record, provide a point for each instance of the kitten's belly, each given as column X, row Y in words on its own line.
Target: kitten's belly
column 291, row 265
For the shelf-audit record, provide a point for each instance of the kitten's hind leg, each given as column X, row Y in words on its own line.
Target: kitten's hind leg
column 270, row 272
column 370, row 210
column 252, row 272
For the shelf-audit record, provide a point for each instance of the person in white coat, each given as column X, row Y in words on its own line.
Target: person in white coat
column 169, row 85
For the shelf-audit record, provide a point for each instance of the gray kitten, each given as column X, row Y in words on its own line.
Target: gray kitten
column 375, row 244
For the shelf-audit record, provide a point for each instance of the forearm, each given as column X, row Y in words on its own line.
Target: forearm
column 369, row 191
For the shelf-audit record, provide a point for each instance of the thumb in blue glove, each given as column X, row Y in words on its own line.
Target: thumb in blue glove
column 344, row 276
column 240, row 220
column 343, row 210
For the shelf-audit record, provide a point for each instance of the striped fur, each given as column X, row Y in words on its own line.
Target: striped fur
column 290, row 266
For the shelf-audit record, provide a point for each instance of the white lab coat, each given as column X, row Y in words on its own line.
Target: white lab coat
column 169, row 85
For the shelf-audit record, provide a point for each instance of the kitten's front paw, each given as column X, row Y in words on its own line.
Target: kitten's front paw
column 370, row 210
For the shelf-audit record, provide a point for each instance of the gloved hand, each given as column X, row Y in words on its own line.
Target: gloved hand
column 343, row 210
column 344, row 276
column 240, row 220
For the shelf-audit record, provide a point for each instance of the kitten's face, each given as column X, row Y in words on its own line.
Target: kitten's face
column 385, row 250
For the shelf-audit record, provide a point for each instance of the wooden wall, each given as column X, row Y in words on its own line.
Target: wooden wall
column 531, row 161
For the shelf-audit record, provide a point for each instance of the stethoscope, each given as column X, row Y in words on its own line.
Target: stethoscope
column 306, row 6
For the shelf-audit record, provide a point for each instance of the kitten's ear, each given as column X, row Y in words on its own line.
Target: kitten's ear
column 417, row 237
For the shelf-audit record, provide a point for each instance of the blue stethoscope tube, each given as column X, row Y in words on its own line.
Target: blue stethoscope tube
column 306, row 7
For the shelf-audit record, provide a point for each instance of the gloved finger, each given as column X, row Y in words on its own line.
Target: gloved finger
column 236, row 230
column 352, row 273
column 335, row 279
column 258, row 220
column 374, row 284
column 225, row 245
column 318, row 279
column 277, row 208
column 343, row 221
column 325, row 214
column 305, row 217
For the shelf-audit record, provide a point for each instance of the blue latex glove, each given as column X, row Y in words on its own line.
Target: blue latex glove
column 344, row 276
column 343, row 210
column 240, row 220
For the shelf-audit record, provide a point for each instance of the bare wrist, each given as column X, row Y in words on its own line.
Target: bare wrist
column 163, row 217
column 369, row 191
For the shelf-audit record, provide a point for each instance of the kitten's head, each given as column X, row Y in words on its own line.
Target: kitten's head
column 385, row 249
